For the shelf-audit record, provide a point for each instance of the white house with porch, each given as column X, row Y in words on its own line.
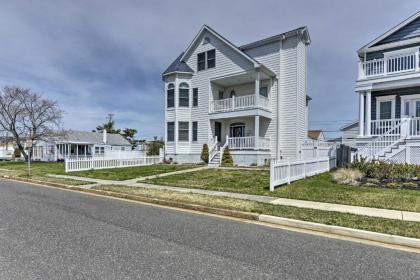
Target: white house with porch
column 388, row 86
column 251, row 98
column 78, row 144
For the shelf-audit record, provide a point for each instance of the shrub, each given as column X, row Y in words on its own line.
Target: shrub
column 367, row 167
column 227, row 158
column 205, row 153
column 154, row 147
column 16, row 153
column 392, row 185
column 409, row 185
column 347, row 176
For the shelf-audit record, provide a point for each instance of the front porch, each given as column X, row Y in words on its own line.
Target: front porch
column 247, row 133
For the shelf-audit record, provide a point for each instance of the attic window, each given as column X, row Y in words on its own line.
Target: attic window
column 206, row 40
column 206, row 60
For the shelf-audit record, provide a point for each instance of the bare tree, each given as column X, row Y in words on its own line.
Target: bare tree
column 27, row 116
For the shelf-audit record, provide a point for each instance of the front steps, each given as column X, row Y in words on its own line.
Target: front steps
column 215, row 161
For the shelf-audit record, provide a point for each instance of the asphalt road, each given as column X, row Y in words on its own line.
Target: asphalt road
column 48, row 233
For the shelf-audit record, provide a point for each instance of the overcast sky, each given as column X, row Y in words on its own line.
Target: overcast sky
column 100, row 57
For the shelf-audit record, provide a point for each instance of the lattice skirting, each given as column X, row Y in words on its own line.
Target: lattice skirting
column 414, row 154
column 399, row 157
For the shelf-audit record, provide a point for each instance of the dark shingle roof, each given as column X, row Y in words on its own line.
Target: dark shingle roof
column 178, row 66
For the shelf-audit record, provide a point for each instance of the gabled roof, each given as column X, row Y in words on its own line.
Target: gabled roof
column 302, row 30
column 178, row 66
column 314, row 134
column 223, row 39
column 389, row 32
column 77, row 136
column 353, row 123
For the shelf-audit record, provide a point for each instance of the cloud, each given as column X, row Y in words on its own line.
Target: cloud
column 97, row 57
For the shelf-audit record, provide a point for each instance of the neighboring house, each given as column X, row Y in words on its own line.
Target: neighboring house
column 388, row 86
column 316, row 134
column 7, row 148
column 78, row 143
column 349, row 134
column 227, row 96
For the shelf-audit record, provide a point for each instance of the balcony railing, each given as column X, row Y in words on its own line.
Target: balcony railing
column 248, row 143
column 393, row 63
column 239, row 103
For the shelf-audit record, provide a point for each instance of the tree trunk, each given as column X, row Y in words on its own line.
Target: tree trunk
column 22, row 151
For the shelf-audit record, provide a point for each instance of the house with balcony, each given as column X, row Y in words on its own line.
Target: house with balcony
column 250, row 98
column 388, row 87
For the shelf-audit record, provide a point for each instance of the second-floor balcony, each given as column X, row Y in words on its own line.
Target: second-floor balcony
column 394, row 62
column 239, row 103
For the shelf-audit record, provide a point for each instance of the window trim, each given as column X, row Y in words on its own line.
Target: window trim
column 385, row 98
column 195, row 97
column 170, row 87
column 206, row 60
column 186, row 88
column 187, row 130
column 194, row 131
column 167, row 132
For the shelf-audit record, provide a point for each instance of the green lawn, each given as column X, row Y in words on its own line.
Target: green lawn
column 42, row 168
column 38, row 171
column 317, row 188
column 403, row 228
column 127, row 173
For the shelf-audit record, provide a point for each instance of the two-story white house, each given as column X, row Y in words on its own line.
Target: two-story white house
column 251, row 98
column 388, row 86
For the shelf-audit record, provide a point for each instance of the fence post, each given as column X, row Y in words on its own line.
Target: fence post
column 161, row 155
column 272, row 175
column 288, row 171
column 66, row 162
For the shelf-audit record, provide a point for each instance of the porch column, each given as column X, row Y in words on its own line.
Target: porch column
column 77, row 150
column 361, row 113
column 368, row 112
column 257, row 132
column 257, row 87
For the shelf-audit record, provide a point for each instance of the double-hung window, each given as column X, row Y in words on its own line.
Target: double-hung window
column 170, row 96
column 201, row 61
column 194, row 131
column 170, row 137
column 195, row 97
column 264, row 91
column 184, row 95
column 206, row 60
column 183, row 131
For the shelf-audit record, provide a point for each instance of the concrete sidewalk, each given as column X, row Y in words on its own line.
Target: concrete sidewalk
column 357, row 210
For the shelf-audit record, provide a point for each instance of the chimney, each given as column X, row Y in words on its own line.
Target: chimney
column 104, row 136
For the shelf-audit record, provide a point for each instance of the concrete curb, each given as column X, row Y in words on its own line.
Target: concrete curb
column 298, row 224
column 343, row 231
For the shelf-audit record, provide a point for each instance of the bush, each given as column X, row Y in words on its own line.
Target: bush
column 392, row 185
column 364, row 166
column 347, row 176
column 205, row 153
column 227, row 158
column 409, row 185
column 154, row 147
column 16, row 153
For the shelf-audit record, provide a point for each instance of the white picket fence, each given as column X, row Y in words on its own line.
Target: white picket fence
column 88, row 163
column 115, row 159
column 283, row 171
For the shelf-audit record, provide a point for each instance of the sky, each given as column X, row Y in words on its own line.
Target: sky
column 101, row 57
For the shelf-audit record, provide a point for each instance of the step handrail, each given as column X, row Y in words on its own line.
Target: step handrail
column 380, row 144
column 213, row 149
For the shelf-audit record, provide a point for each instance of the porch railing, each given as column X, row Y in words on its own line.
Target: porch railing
column 239, row 103
column 248, row 143
column 403, row 61
column 379, row 127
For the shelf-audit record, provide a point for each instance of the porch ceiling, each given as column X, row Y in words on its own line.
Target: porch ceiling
column 237, row 79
